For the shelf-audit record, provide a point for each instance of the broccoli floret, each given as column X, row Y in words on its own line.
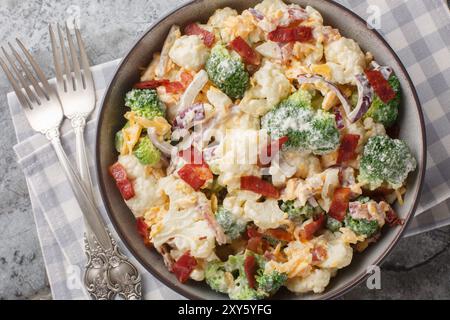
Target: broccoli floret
column 145, row 103
column 385, row 161
column 363, row 199
column 230, row 225
column 306, row 128
column 297, row 214
column 333, row 225
column 271, row 282
column 215, row 276
column 230, row 277
column 361, row 226
column 227, row 72
column 386, row 113
column 118, row 142
column 146, row 152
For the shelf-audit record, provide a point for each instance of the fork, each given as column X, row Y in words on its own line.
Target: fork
column 42, row 108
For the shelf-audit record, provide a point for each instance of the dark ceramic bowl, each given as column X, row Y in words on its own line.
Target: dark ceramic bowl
column 111, row 120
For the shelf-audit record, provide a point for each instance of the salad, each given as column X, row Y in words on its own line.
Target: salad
column 260, row 151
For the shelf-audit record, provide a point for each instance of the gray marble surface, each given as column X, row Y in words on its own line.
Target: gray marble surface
column 418, row 268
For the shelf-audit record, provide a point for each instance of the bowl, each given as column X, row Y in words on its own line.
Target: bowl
column 111, row 120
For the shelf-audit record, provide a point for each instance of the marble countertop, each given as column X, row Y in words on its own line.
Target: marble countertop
column 418, row 268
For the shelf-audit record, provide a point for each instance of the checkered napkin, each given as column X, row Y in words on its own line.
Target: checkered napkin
column 419, row 31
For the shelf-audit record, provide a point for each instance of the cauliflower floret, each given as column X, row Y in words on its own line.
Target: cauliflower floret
column 273, row 9
column 189, row 52
column 270, row 86
column 146, row 193
column 345, row 59
column 237, row 157
column 220, row 15
column 373, row 129
column 339, row 252
column 316, row 282
column 235, row 201
column 266, row 215
column 184, row 226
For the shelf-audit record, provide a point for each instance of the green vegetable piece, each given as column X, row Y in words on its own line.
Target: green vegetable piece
column 385, row 161
column 227, row 72
column 145, row 103
column 230, row 225
column 146, row 152
column 361, row 226
column 297, row 214
column 332, row 224
column 386, row 113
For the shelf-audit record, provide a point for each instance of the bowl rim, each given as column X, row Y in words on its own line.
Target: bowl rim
column 357, row 279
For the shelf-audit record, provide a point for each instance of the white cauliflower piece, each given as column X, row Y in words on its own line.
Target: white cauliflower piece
column 270, row 86
column 189, row 52
column 220, row 15
column 266, row 215
column 339, row 252
column 316, row 282
column 146, row 193
column 219, row 100
column 345, row 59
column 235, row 202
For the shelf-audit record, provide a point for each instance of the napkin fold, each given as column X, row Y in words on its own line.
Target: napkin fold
column 419, row 31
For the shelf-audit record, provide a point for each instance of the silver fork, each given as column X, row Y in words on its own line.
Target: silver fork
column 42, row 108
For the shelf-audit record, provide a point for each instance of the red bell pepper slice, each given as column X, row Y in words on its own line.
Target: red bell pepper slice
column 291, row 34
column 195, row 175
column 347, row 149
column 339, row 204
column 271, row 150
column 250, row 268
column 311, row 228
column 245, row 51
column 258, row 185
column 117, row 171
column 184, row 266
column 207, row 37
column 381, row 86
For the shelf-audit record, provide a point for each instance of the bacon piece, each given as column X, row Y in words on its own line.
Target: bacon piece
column 381, row 86
column 171, row 87
column 214, row 225
column 195, row 175
column 245, row 51
column 308, row 231
column 186, row 78
column 250, row 268
column 124, row 185
column 254, row 244
column 288, row 34
column 270, row 151
column 319, row 253
column 207, row 37
column 392, row 219
column 347, row 149
column 184, row 266
column 151, row 84
column 279, row 234
column 192, row 155
column 339, row 204
column 258, row 185
column 143, row 229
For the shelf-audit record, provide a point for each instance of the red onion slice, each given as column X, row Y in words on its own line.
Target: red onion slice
column 187, row 117
column 365, row 97
column 256, row 14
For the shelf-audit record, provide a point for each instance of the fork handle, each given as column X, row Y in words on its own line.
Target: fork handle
column 78, row 124
column 87, row 206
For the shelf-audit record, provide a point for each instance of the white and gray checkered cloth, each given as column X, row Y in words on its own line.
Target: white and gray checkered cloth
column 419, row 31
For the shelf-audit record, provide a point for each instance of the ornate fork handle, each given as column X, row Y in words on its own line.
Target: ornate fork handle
column 109, row 272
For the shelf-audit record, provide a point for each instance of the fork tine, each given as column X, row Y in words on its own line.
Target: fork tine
column 22, row 99
column 56, row 54
column 37, row 88
column 37, row 69
column 19, row 75
column 65, row 56
column 84, row 58
column 75, row 63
